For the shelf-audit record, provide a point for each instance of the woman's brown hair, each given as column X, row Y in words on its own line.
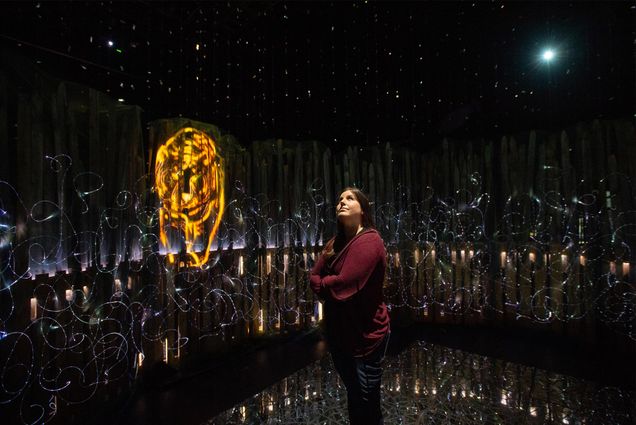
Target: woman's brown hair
column 336, row 243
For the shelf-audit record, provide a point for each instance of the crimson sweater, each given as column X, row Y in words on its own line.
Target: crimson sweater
column 356, row 317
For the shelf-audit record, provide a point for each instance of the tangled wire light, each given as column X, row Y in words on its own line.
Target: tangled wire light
column 87, row 297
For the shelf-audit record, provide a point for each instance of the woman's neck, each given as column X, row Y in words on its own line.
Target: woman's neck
column 351, row 231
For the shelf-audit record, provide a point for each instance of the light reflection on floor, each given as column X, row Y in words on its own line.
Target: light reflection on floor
column 431, row 384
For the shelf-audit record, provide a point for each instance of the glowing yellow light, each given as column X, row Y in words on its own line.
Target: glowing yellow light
column 261, row 322
column 178, row 343
column 189, row 178
column 34, row 308
column 504, row 398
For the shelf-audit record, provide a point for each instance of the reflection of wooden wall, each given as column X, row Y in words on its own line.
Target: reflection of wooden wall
column 588, row 158
column 85, row 131
column 558, row 294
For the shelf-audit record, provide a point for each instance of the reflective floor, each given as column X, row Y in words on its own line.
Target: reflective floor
column 432, row 384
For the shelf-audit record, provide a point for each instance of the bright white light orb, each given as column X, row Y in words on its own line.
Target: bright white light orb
column 548, row 55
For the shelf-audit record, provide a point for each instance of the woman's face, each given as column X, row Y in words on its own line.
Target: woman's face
column 348, row 209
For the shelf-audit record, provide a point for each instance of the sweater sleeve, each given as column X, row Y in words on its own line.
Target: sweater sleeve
column 316, row 274
column 359, row 264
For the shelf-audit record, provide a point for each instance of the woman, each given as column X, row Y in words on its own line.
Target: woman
column 349, row 277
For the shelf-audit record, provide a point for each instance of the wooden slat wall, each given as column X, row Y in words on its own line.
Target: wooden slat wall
column 282, row 194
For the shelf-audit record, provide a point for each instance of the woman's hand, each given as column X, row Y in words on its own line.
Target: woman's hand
column 315, row 284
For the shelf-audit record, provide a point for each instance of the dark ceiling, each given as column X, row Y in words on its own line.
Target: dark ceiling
column 342, row 72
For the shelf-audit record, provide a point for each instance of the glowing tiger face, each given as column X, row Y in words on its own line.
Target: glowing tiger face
column 189, row 178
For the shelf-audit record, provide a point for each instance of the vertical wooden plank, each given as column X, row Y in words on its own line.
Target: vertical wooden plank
column 94, row 158
column 346, row 178
column 445, row 173
column 455, row 179
column 23, row 178
column 566, row 167
column 541, row 162
column 39, row 186
column 489, row 186
column 522, row 152
column 372, row 190
column 338, row 180
column 298, row 178
column 626, row 142
column 423, row 180
column 379, row 173
column 513, row 166
column 530, row 174
column 350, row 167
column 5, row 159
column 407, row 174
column 327, row 171
column 288, row 195
column 389, row 186
column 58, row 112
column 504, row 160
column 364, row 181
column 470, row 164
column 280, row 186
column 317, row 155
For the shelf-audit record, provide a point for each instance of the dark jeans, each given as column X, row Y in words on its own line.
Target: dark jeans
column 362, row 377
